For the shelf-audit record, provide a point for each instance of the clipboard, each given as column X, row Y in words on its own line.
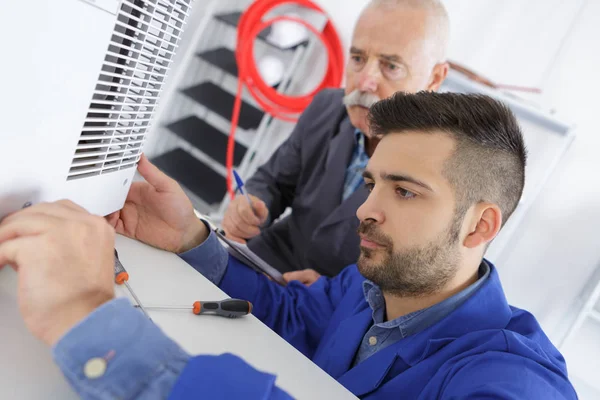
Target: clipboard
column 248, row 257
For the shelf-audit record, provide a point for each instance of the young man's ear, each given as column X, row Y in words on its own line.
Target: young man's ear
column 485, row 223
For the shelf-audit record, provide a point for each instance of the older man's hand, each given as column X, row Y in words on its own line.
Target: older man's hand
column 241, row 221
column 306, row 276
column 65, row 262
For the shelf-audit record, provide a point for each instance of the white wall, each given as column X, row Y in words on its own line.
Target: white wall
column 560, row 236
column 551, row 44
column 558, row 249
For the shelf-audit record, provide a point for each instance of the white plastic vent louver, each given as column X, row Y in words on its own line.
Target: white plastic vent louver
column 135, row 67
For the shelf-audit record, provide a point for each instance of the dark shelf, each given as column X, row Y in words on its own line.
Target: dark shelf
column 234, row 18
column 196, row 176
column 222, row 58
column 207, row 138
column 220, row 101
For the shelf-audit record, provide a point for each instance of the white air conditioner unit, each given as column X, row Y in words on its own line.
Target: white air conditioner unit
column 81, row 80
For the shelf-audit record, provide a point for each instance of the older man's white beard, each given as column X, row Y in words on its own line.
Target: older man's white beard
column 358, row 98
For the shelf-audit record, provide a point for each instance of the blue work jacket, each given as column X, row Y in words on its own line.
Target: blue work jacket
column 485, row 349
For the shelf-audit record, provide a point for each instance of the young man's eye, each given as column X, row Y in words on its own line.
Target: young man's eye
column 405, row 194
column 369, row 186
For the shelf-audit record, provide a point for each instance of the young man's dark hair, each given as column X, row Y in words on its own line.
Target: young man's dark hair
column 488, row 163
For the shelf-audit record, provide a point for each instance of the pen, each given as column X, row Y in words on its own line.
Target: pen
column 240, row 184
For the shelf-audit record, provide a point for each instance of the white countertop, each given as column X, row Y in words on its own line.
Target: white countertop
column 159, row 278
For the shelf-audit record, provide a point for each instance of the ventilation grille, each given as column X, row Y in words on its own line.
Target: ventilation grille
column 140, row 52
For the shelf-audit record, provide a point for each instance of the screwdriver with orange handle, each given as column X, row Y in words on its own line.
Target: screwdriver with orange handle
column 121, row 278
column 229, row 308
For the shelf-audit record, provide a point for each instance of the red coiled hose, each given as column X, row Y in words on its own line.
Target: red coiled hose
column 278, row 105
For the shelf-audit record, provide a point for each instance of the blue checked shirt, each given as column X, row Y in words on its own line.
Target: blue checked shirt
column 357, row 165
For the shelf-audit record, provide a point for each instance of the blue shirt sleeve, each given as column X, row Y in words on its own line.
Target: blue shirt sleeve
column 225, row 377
column 298, row 314
column 209, row 258
column 142, row 363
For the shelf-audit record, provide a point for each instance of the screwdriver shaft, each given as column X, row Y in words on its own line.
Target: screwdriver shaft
column 166, row 307
column 141, row 307
column 121, row 277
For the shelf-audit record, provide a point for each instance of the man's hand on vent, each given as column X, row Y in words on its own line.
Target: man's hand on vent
column 159, row 213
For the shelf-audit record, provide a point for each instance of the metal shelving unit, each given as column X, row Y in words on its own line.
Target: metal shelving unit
column 194, row 126
column 212, row 140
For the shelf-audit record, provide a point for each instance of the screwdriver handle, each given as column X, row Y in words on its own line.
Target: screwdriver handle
column 229, row 308
column 121, row 275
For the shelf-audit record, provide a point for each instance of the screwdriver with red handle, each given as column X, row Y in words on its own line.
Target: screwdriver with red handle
column 121, row 278
column 229, row 308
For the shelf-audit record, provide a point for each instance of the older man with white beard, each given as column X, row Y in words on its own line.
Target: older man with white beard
column 397, row 45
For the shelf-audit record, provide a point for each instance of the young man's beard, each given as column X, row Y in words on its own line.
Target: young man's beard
column 412, row 272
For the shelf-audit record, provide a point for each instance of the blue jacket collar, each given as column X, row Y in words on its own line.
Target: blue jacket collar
column 485, row 309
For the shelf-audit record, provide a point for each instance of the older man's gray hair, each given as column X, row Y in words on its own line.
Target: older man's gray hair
column 438, row 22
